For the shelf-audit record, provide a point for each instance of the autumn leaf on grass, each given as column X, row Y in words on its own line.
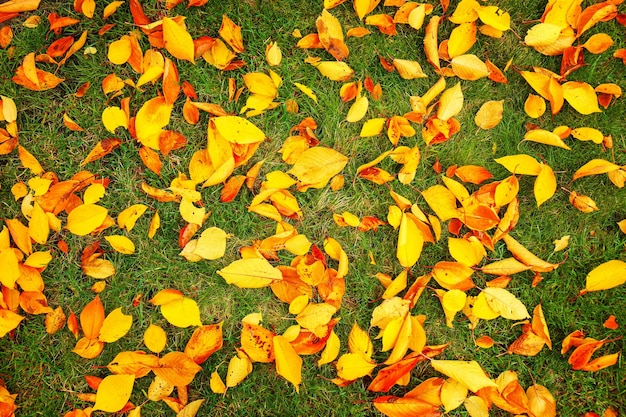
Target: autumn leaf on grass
column 605, row 276
column 29, row 76
column 204, row 341
column 582, row 202
column 580, row 359
column 334, row 70
column 489, row 114
column 177, row 368
column 595, row 167
column 8, row 321
column 468, row 373
column 250, row 273
column 525, row 256
column 330, row 35
column 177, row 309
column 534, row 336
column 316, row 166
column 114, row 392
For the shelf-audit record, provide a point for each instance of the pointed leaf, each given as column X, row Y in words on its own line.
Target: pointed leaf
column 114, row 392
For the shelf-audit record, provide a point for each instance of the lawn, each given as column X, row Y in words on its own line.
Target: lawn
column 49, row 378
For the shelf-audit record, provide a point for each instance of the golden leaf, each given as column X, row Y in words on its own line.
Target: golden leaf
column 505, row 303
column 545, row 185
column 469, row 373
column 469, row 67
column 316, row 166
column 581, row 96
column 155, row 338
column 409, row 70
column 250, row 273
column 520, row 164
column 606, row 276
column 351, row 366
column 182, row 312
column 177, row 368
column 121, row 244
column 450, row 103
column 288, row 362
column 115, row 326
column 178, row 41
column 114, row 392
column 489, row 114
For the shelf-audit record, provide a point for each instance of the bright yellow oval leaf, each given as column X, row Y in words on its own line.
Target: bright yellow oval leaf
column 121, row 244
column 250, row 273
column 115, row 326
column 85, row 218
column 114, row 392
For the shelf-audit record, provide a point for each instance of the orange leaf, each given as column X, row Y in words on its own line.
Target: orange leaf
column 204, row 341
column 91, row 318
column 177, row 41
column 231, row 33
column 405, row 407
column 473, row 174
column 177, row 368
column 151, row 159
column 389, row 376
column 611, row 323
column 383, row 22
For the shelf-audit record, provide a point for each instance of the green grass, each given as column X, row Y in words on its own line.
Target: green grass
column 46, row 375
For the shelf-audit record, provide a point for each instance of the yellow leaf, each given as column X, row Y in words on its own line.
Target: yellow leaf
column 238, row 130
column 359, row 342
column 397, row 285
column 541, row 402
column 581, row 96
column 191, row 409
column 461, row 39
column 9, row 109
column 606, row 276
column 468, row 373
column 159, row 388
column 477, row 407
column 453, row 393
column 150, row 120
column 410, row 242
column 545, row 185
column 182, row 312
column 495, row 17
column 542, row 34
column 331, row 350
column 306, row 90
column 111, row 8
column 372, row 127
column 8, row 319
column 85, row 218
column 595, row 167
column 520, row 164
column 409, row 70
column 273, row 54
column 216, row 384
column 211, row 244
column 524, row 255
column 121, row 244
column 93, row 193
column 466, row 251
column 351, row 366
column 177, row 368
column 114, row 392
column 288, row 362
column 622, row 225
column 315, row 315
column 535, row 106
column 129, row 216
column 190, row 213
column 115, row 326
column 335, row 70
column 238, row 370
column 316, row 166
column 505, row 303
column 358, row 109
column 561, row 243
column 150, row 75
column 442, row 201
column 588, row 133
column 469, row 67
column 155, row 223
column 29, row 161
column 38, row 226
column 450, row 103
column 114, row 117
column 177, row 41
column 250, row 273
column 452, row 302
column 155, row 338
column 546, row 137
column 507, row 266
column 489, row 114
column 120, row 50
